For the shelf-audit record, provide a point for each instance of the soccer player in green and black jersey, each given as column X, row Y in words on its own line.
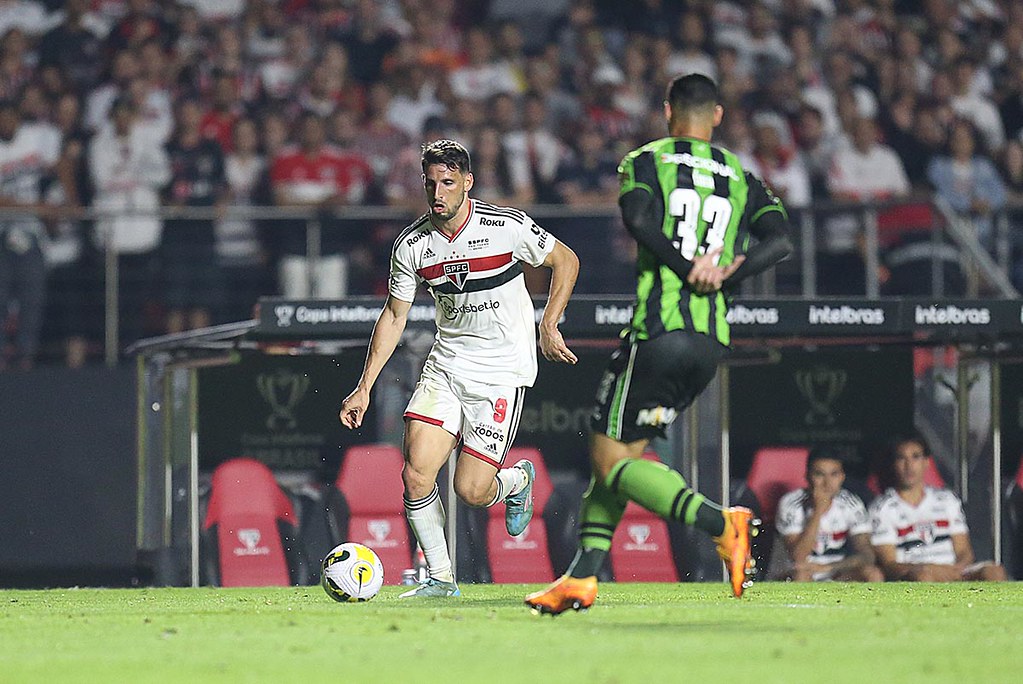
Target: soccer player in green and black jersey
column 702, row 224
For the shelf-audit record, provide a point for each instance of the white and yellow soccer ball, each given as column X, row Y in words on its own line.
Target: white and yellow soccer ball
column 351, row 572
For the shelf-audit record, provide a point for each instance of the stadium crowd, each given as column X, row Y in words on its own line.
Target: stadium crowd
column 127, row 106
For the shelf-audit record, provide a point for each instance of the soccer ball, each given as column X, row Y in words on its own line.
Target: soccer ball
column 351, row 572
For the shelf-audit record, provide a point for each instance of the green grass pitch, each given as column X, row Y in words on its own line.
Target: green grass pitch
column 648, row 633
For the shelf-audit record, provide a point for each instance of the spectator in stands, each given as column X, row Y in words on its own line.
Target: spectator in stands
column 817, row 148
column 825, row 527
column 194, row 285
column 970, row 103
column 127, row 167
column 316, row 174
column 919, row 533
column 776, row 160
column 27, row 155
column 537, row 147
column 865, row 171
column 589, row 176
column 499, row 180
column 968, row 182
column 240, row 253
column 74, row 46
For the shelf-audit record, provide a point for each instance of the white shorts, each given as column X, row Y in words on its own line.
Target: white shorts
column 485, row 417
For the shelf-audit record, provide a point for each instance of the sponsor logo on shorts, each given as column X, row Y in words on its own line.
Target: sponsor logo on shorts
column 656, row 416
column 488, row 432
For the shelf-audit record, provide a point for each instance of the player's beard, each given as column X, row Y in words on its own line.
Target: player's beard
column 447, row 215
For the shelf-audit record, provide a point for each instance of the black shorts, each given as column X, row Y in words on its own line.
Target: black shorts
column 648, row 383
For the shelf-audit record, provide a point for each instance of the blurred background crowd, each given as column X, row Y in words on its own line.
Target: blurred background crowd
column 144, row 132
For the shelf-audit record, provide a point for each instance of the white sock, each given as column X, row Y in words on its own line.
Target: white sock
column 426, row 516
column 510, row 481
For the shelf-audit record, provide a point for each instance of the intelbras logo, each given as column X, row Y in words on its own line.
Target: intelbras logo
column 950, row 314
column 752, row 315
column 612, row 315
column 845, row 315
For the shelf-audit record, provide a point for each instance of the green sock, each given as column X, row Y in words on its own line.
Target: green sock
column 599, row 517
column 659, row 489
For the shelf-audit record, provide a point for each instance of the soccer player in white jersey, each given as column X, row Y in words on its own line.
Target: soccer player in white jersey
column 920, row 533
column 469, row 254
column 825, row 527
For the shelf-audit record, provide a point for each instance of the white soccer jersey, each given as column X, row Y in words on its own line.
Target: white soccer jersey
column 921, row 534
column 846, row 517
column 485, row 326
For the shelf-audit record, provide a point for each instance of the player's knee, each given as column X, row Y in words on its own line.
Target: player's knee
column 475, row 494
column 923, row 574
column 872, row 573
column 418, row 483
column 993, row 573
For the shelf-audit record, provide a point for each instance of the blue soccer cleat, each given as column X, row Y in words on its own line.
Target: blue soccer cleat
column 518, row 509
column 433, row 588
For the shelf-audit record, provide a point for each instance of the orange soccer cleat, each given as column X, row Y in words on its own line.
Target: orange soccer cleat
column 734, row 547
column 577, row 593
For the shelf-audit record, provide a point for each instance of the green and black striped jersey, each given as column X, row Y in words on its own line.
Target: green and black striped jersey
column 705, row 200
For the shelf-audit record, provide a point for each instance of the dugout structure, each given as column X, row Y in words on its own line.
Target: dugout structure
column 804, row 356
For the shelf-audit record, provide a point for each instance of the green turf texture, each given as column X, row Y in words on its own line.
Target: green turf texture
column 649, row 633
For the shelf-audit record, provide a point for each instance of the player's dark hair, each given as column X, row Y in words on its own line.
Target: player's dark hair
column 827, row 452
column 692, row 92
column 447, row 152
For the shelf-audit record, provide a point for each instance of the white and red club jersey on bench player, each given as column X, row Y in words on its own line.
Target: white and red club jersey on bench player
column 921, row 534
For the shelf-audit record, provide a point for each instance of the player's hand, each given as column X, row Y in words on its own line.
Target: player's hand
column 821, row 501
column 705, row 276
column 553, row 346
column 731, row 268
column 353, row 408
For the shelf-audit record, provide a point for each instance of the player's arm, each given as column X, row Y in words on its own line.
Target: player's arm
column 382, row 343
column 769, row 224
column 861, row 554
column 892, row 569
column 564, row 265
column 800, row 544
column 963, row 549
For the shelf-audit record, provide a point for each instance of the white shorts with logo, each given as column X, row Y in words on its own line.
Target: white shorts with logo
column 484, row 416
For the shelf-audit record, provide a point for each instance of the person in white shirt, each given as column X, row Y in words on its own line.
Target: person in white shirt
column 919, row 533
column 127, row 167
column 469, row 254
column 824, row 526
column 27, row 153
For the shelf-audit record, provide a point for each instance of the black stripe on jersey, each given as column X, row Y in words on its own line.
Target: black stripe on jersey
column 415, row 225
column 480, row 284
column 492, row 209
column 720, row 188
column 684, row 180
column 654, row 324
column 913, row 543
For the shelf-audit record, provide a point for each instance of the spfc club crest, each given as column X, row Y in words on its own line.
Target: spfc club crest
column 457, row 272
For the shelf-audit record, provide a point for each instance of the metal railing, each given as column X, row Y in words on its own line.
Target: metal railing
column 605, row 248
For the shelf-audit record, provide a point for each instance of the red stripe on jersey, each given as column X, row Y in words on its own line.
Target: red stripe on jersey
column 903, row 531
column 839, row 536
column 941, row 523
column 478, row 264
column 482, row 457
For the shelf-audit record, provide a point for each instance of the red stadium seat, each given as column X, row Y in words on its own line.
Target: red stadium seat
column 774, row 472
column 525, row 558
column 641, row 547
column 932, row 478
column 370, row 480
column 247, row 516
